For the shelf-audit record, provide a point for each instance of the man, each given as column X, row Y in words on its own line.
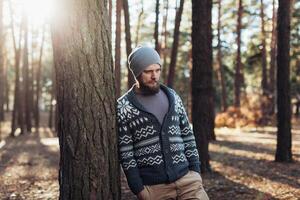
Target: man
column 157, row 147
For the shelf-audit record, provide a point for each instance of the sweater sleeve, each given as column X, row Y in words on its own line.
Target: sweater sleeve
column 126, row 156
column 190, row 147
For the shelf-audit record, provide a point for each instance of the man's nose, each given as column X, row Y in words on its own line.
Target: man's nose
column 154, row 75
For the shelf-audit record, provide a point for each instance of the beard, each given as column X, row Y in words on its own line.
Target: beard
column 147, row 89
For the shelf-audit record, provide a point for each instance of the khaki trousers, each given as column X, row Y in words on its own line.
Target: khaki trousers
column 187, row 187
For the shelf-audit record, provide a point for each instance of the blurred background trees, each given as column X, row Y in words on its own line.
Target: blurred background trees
column 244, row 64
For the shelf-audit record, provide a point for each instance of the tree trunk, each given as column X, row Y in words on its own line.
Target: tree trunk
column 137, row 32
column 22, row 88
column 27, row 81
column 7, row 88
column 110, row 13
column 89, row 167
column 265, row 103
column 172, row 65
column 273, row 61
column 52, row 103
column 118, row 48
column 238, row 71
column 284, row 137
column 38, row 84
column 2, row 75
column 220, row 71
column 34, row 47
column 130, row 77
column 157, row 46
column 17, row 97
column 165, row 44
column 202, row 88
column 50, row 119
column 264, row 81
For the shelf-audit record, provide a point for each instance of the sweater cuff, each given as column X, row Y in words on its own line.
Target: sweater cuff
column 135, row 184
column 195, row 167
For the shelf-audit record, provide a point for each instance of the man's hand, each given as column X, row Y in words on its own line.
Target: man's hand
column 143, row 195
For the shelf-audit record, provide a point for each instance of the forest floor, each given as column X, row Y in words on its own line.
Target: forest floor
column 242, row 162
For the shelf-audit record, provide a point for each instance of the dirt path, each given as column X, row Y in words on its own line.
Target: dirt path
column 28, row 167
column 242, row 161
column 244, row 167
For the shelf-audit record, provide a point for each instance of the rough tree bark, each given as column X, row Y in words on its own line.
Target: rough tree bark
column 284, row 136
column 89, row 167
column 172, row 65
column 118, row 47
column 110, row 12
column 202, row 73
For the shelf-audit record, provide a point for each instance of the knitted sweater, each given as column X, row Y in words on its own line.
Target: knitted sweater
column 153, row 153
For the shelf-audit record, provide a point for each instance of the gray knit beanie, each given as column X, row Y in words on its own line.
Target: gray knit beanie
column 141, row 57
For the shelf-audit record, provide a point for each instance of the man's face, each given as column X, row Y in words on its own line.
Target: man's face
column 149, row 79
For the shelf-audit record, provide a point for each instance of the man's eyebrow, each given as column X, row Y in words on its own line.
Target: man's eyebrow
column 148, row 70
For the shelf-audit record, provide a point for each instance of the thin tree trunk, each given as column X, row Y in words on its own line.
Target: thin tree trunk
column 38, row 83
column 27, row 80
column 220, row 71
column 52, row 105
column 273, row 61
column 157, row 47
column 172, row 65
column 265, row 103
column 165, row 44
column 118, row 48
column 7, row 87
column 137, row 32
column 264, row 81
column 284, row 136
column 238, row 71
column 34, row 46
column 202, row 88
column 17, row 98
column 89, row 167
column 130, row 76
column 22, row 87
column 2, row 75
column 50, row 119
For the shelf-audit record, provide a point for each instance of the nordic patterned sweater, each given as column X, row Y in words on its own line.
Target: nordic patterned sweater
column 153, row 153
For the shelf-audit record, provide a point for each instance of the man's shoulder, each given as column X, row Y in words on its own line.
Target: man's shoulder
column 168, row 89
column 174, row 93
column 123, row 99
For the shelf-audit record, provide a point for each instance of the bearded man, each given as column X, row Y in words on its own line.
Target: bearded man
column 157, row 147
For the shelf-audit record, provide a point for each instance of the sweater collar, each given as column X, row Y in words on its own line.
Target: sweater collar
column 132, row 98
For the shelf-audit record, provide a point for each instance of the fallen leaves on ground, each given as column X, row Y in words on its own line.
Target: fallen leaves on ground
column 242, row 161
